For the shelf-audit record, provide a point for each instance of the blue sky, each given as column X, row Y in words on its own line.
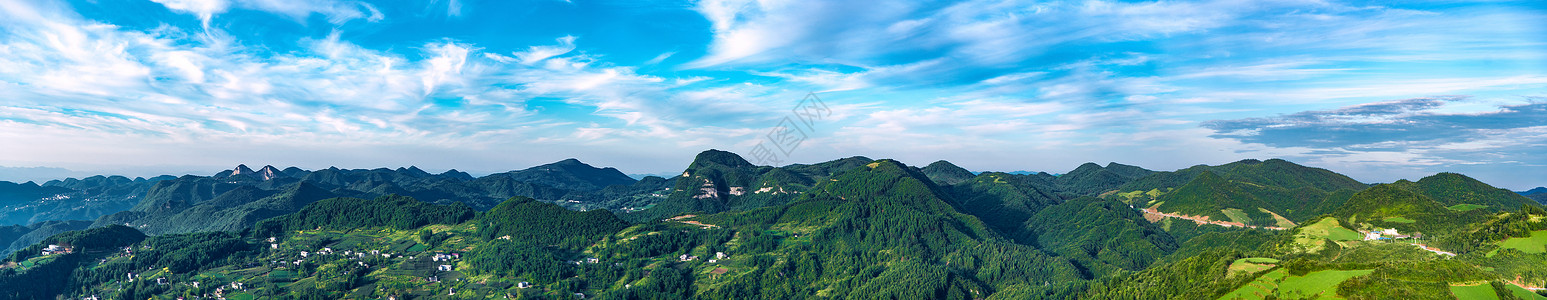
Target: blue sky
column 1378, row 90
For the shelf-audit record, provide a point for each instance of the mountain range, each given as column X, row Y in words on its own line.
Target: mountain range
column 728, row 229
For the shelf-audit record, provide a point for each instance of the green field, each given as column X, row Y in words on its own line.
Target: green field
column 1469, row 292
column 240, row 296
column 1237, row 215
column 1318, row 284
column 1332, row 230
column 1251, row 265
column 1523, row 293
column 1466, row 207
column 1534, row 244
column 1399, row 220
column 1323, row 283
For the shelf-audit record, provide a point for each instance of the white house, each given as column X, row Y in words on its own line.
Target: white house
column 444, row 268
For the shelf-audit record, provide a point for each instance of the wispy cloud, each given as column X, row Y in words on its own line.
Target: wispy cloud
column 976, row 81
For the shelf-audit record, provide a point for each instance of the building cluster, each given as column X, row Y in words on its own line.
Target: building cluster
column 1388, row 234
column 57, row 249
column 717, row 257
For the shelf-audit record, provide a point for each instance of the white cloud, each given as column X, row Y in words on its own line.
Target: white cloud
column 204, row 9
column 539, row 53
column 336, row 11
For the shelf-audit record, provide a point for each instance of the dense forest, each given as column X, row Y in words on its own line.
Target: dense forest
column 846, row 229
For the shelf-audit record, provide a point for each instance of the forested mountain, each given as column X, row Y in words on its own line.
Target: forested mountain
column 718, row 181
column 71, row 198
column 1275, row 193
column 1442, row 202
column 943, row 172
column 1452, row 189
column 1101, row 236
column 571, row 174
column 1005, row 201
column 850, row 228
column 1090, row 179
column 235, row 199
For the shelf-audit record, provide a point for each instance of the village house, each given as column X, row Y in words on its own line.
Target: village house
column 523, row 284
column 444, row 268
column 1384, row 234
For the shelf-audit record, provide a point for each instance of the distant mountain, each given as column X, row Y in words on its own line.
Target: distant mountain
column 571, row 174
column 70, row 199
column 194, row 204
column 945, row 173
column 238, row 198
column 1539, row 194
column 13, row 193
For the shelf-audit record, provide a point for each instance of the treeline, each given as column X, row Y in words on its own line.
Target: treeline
column 392, row 211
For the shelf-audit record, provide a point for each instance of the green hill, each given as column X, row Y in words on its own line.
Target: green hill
column 945, row 173
column 526, row 220
column 1090, row 179
column 1101, row 236
column 1272, row 172
column 1452, row 189
column 349, row 213
column 1394, row 206
column 1004, row 201
column 1261, row 193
